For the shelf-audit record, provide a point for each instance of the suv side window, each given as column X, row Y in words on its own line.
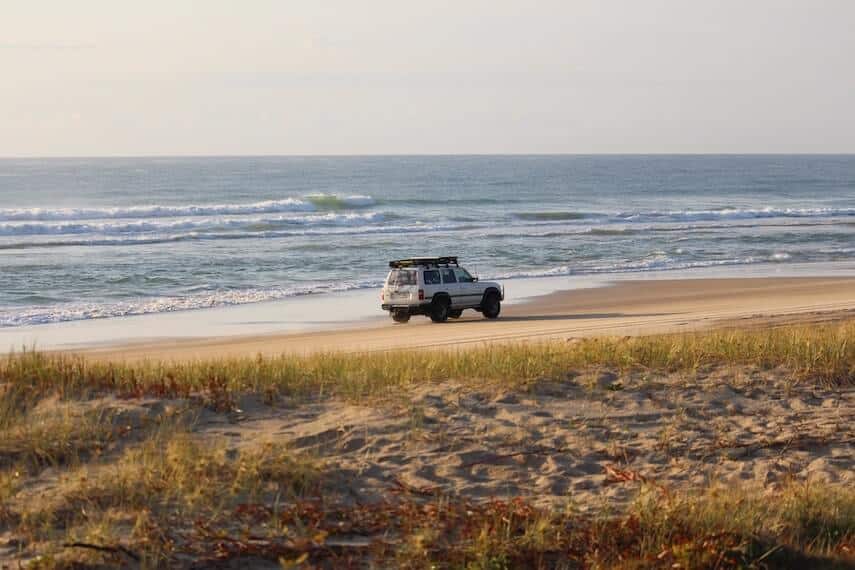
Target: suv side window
column 431, row 277
column 463, row 276
column 448, row 276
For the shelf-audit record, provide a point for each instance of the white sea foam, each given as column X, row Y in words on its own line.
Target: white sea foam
column 658, row 262
column 310, row 203
column 86, row 311
column 729, row 214
column 48, row 241
column 119, row 227
column 719, row 215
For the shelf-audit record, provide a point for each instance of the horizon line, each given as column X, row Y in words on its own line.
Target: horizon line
column 419, row 155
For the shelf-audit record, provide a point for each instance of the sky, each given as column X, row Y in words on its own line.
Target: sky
column 282, row 77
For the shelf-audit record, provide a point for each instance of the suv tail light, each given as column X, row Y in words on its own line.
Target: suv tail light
column 381, row 295
column 421, row 294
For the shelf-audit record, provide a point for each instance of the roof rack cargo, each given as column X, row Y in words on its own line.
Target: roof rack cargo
column 425, row 261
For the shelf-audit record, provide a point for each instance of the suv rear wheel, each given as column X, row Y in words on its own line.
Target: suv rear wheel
column 440, row 310
column 492, row 306
column 401, row 316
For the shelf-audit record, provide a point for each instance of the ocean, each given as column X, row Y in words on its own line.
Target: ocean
column 106, row 237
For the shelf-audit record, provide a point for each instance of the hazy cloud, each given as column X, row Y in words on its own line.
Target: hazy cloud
column 38, row 46
column 449, row 76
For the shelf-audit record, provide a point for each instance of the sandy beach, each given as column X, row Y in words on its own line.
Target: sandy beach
column 763, row 411
column 622, row 308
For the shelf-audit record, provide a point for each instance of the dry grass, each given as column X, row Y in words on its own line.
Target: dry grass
column 64, row 435
column 799, row 527
column 158, row 495
column 173, row 500
column 822, row 354
column 152, row 496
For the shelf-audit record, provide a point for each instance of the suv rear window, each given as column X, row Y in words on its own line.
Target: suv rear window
column 402, row 277
column 431, row 277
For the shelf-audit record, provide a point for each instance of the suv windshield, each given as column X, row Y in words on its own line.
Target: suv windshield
column 402, row 277
column 463, row 276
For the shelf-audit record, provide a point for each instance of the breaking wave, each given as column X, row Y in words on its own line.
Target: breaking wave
column 335, row 202
column 309, row 203
column 730, row 214
column 130, row 240
column 654, row 216
column 188, row 224
column 653, row 263
column 550, row 216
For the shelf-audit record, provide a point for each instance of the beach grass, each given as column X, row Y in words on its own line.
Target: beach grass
column 173, row 499
column 168, row 482
column 86, row 482
column 822, row 354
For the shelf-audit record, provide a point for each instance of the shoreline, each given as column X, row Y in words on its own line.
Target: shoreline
column 541, row 307
column 624, row 308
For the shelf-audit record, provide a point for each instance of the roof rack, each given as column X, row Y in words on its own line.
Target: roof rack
column 424, row 261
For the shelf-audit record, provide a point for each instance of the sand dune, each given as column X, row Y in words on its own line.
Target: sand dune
column 590, row 439
column 587, row 439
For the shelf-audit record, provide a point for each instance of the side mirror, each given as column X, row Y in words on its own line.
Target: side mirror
column 474, row 279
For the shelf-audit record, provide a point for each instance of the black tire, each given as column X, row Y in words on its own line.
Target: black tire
column 491, row 306
column 455, row 313
column 401, row 316
column 440, row 310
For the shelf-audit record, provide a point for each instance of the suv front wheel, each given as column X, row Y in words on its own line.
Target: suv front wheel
column 492, row 306
column 440, row 309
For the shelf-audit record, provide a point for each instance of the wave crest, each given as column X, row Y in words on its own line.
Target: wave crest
column 335, row 202
column 187, row 225
column 730, row 214
column 549, row 216
column 654, row 262
column 310, row 203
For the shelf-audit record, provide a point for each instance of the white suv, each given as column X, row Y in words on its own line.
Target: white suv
column 439, row 288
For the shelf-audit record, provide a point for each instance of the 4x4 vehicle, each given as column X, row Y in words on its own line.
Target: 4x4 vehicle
column 439, row 288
